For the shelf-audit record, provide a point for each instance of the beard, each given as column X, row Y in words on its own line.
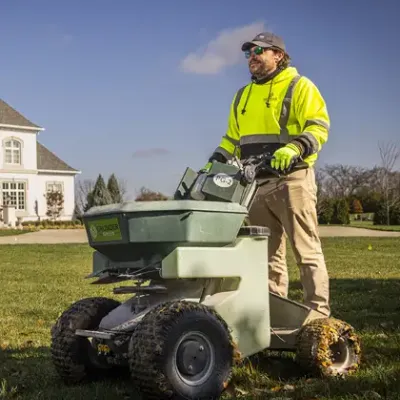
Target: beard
column 257, row 68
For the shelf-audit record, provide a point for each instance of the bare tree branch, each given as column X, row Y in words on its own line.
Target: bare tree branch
column 390, row 153
column 389, row 180
column 82, row 189
column 146, row 194
column 123, row 188
column 345, row 180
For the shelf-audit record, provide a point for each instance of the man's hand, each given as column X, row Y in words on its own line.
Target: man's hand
column 285, row 156
column 206, row 168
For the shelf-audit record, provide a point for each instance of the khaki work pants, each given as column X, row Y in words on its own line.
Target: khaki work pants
column 288, row 206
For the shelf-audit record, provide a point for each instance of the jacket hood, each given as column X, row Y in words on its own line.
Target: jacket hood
column 277, row 76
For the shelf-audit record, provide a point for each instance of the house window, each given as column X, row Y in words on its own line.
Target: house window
column 54, row 187
column 12, row 152
column 14, row 194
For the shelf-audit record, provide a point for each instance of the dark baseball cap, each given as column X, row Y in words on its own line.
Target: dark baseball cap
column 265, row 39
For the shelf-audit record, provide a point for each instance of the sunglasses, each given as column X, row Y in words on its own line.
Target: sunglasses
column 256, row 50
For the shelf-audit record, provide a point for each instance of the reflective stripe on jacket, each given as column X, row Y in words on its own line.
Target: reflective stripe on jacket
column 264, row 117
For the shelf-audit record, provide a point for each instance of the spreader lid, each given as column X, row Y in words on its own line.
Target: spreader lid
column 167, row 205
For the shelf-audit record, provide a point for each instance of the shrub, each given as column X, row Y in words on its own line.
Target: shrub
column 326, row 210
column 380, row 216
column 55, row 204
column 49, row 224
column 341, row 214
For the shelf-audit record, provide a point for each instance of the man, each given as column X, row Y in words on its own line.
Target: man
column 284, row 114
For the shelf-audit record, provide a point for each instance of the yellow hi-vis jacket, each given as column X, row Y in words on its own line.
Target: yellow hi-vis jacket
column 264, row 117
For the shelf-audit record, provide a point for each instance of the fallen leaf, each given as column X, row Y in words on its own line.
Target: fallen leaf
column 289, row 388
column 275, row 389
column 241, row 391
column 4, row 345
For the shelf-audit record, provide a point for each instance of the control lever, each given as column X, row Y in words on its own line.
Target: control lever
column 250, row 171
column 236, row 158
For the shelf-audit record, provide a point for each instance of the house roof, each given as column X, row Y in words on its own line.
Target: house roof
column 10, row 116
column 46, row 160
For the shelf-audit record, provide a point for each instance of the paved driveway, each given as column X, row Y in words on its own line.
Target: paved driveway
column 329, row 231
column 79, row 235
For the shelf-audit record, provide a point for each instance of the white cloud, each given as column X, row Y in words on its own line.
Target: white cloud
column 221, row 52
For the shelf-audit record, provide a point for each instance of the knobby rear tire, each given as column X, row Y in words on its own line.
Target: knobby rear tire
column 329, row 347
column 154, row 358
column 69, row 352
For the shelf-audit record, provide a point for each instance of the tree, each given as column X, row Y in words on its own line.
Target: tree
column 82, row 193
column 343, row 181
column 55, row 204
column 100, row 196
column 389, row 180
column 324, row 202
column 77, row 215
column 395, row 220
column 380, row 216
column 325, row 211
column 149, row 195
column 114, row 189
column 341, row 212
column 84, row 189
column 370, row 199
column 356, row 207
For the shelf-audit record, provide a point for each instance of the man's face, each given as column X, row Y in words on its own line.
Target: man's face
column 261, row 61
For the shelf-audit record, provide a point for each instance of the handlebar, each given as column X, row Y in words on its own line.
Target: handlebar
column 262, row 163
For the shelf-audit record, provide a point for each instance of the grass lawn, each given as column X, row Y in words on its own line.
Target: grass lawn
column 370, row 225
column 39, row 281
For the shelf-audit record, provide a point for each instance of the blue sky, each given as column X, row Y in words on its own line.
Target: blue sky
column 143, row 89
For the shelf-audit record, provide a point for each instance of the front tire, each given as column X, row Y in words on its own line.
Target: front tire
column 70, row 353
column 329, row 347
column 181, row 350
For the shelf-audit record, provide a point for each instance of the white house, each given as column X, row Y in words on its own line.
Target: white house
column 28, row 169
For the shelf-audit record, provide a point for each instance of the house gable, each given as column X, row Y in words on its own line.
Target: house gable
column 28, row 170
column 10, row 118
column 44, row 161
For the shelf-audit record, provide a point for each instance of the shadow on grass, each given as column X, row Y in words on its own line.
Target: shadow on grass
column 370, row 305
column 378, row 382
column 367, row 304
column 28, row 373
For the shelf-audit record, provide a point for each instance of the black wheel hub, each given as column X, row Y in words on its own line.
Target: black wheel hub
column 194, row 358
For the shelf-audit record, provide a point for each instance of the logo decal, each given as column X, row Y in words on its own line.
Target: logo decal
column 223, row 180
column 105, row 230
